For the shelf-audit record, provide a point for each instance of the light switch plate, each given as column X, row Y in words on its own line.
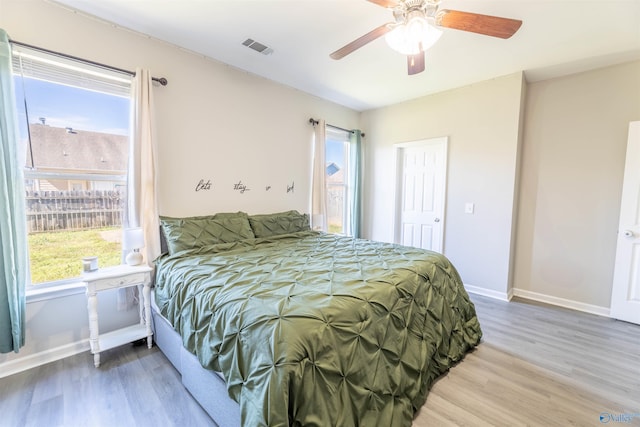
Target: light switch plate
column 468, row 208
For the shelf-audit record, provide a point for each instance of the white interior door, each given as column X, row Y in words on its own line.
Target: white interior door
column 625, row 297
column 421, row 189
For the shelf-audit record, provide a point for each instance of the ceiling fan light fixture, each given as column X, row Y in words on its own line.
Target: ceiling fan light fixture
column 412, row 37
column 413, row 29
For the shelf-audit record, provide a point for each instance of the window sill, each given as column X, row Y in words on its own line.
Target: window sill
column 50, row 292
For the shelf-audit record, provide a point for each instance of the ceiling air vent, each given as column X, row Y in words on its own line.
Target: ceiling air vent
column 257, row 46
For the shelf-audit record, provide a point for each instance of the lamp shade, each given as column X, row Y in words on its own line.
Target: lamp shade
column 413, row 37
column 133, row 239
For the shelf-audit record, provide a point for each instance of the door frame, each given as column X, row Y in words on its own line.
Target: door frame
column 397, row 209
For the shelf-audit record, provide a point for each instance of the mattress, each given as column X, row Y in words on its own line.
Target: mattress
column 206, row 386
column 312, row 328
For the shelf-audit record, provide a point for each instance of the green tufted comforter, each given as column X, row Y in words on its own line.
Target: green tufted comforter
column 314, row 329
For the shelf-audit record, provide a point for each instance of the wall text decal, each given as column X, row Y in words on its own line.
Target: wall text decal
column 202, row 185
column 239, row 186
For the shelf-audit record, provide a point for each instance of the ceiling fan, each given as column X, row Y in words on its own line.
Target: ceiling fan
column 414, row 28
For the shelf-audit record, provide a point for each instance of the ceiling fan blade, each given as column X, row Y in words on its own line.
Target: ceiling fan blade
column 474, row 22
column 361, row 41
column 415, row 63
column 389, row 4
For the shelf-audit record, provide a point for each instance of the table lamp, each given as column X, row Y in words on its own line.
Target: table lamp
column 132, row 241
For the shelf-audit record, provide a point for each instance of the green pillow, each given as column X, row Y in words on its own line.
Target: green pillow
column 195, row 232
column 274, row 224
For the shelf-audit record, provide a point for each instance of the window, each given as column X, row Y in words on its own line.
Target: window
column 339, row 192
column 74, row 132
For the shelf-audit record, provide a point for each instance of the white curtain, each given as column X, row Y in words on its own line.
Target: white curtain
column 318, row 182
column 141, row 187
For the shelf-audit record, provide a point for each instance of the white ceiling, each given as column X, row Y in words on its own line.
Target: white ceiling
column 557, row 37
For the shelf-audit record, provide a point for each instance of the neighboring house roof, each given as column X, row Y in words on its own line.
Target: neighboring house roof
column 78, row 150
column 332, row 168
column 335, row 175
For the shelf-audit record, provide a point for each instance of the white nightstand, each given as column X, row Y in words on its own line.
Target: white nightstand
column 121, row 276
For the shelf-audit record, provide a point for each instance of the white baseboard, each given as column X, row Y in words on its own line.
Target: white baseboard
column 562, row 302
column 535, row 296
column 503, row 296
column 33, row 360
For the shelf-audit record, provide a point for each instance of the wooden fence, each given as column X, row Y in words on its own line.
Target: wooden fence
column 73, row 210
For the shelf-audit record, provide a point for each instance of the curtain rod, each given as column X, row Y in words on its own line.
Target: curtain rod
column 315, row 122
column 160, row 80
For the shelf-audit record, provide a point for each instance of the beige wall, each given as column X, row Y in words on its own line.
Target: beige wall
column 219, row 123
column 214, row 122
column 548, row 232
column 573, row 163
column 482, row 122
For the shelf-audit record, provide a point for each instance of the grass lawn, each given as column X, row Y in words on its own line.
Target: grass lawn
column 58, row 255
column 334, row 228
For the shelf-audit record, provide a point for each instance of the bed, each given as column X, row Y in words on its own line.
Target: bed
column 303, row 328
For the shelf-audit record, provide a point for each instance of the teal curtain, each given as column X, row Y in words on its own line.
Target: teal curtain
column 13, row 234
column 356, row 182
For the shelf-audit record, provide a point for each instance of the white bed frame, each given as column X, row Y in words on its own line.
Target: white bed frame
column 207, row 387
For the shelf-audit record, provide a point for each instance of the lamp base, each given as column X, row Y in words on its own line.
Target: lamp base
column 134, row 258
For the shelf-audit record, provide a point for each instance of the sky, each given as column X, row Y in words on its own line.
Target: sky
column 66, row 106
column 335, row 153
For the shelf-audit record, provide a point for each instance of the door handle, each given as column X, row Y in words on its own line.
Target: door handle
column 628, row 233
column 436, row 220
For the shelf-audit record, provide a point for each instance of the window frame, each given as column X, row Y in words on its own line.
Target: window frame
column 343, row 137
column 34, row 64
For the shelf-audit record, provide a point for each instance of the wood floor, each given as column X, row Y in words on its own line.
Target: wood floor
column 541, row 366
column 537, row 366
